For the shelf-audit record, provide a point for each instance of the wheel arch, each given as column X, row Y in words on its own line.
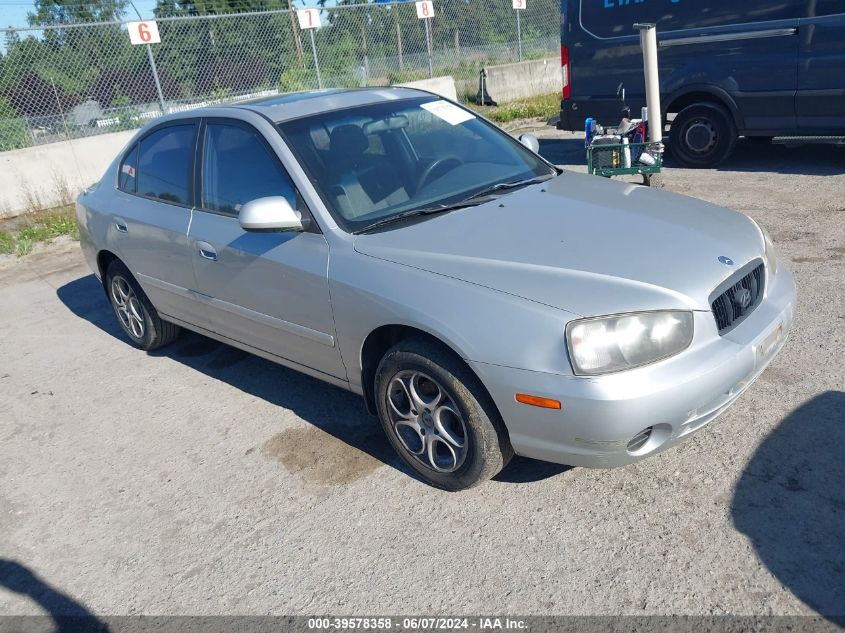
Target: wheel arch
column 104, row 259
column 384, row 337
column 690, row 95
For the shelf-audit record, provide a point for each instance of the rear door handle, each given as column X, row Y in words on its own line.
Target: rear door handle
column 207, row 251
column 120, row 225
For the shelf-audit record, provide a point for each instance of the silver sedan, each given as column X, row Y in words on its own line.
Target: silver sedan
column 482, row 301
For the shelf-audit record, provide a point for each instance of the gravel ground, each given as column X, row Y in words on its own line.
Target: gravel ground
column 203, row 480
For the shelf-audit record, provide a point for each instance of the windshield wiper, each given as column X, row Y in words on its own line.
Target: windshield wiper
column 413, row 213
column 474, row 200
column 503, row 186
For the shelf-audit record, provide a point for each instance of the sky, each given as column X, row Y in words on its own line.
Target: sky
column 13, row 12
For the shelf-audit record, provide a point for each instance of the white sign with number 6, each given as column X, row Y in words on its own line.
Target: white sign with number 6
column 308, row 18
column 519, row 4
column 425, row 9
column 143, row 32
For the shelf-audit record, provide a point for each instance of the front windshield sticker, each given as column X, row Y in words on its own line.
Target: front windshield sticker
column 452, row 114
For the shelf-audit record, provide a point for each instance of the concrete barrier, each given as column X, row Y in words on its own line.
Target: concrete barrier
column 443, row 86
column 511, row 82
column 48, row 175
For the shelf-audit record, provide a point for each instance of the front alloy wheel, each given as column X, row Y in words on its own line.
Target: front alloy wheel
column 438, row 416
column 426, row 421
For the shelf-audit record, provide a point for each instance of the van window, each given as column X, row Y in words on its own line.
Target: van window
column 818, row 8
column 616, row 18
column 165, row 163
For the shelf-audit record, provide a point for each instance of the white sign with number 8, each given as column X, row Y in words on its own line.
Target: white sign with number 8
column 425, row 9
column 308, row 18
column 143, row 32
column 519, row 4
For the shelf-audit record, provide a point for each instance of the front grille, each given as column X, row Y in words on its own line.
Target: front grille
column 732, row 306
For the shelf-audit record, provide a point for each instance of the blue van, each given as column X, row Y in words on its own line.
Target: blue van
column 728, row 68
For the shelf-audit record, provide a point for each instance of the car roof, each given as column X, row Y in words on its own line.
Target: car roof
column 285, row 107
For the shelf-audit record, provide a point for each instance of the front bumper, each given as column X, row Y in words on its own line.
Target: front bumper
column 676, row 397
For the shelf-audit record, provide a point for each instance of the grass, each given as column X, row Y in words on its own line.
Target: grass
column 7, row 243
column 543, row 107
column 27, row 230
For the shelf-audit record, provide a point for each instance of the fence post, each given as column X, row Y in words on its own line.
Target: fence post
column 428, row 46
column 153, row 68
column 366, row 56
column 316, row 62
column 155, row 78
column 399, row 43
column 519, row 33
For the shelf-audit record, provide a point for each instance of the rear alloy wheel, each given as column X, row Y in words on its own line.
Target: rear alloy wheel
column 136, row 315
column 702, row 135
column 438, row 417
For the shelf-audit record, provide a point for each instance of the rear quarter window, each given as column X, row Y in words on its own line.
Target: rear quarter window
column 616, row 18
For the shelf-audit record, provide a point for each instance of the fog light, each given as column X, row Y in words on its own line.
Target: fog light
column 639, row 440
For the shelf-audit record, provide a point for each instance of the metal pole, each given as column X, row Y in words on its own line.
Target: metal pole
column 519, row 33
column 648, row 41
column 316, row 62
column 428, row 45
column 399, row 43
column 155, row 77
column 152, row 65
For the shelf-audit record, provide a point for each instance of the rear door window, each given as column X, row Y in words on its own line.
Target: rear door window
column 126, row 177
column 165, row 164
column 616, row 18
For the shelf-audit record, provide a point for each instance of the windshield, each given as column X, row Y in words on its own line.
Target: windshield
column 377, row 161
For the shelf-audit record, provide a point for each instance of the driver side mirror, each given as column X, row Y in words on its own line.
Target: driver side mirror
column 530, row 141
column 269, row 214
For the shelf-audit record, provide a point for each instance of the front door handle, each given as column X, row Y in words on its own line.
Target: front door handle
column 207, row 251
column 120, row 225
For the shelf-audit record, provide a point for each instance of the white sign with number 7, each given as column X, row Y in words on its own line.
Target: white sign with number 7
column 308, row 18
column 519, row 4
column 143, row 32
column 425, row 9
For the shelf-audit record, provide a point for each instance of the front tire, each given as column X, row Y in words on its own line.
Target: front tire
column 136, row 315
column 438, row 417
column 702, row 135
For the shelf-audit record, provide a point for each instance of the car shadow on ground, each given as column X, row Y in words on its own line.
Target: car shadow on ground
column 750, row 155
column 790, row 502
column 335, row 411
column 68, row 615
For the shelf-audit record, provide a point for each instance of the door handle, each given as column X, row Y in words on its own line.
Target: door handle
column 207, row 251
column 120, row 225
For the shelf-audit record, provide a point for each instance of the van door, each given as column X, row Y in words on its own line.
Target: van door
column 746, row 49
column 820, row 103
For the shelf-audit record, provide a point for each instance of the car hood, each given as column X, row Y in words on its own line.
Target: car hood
column 581, row 244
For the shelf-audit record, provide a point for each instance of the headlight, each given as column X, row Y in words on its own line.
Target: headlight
column 769, row 248
column 603, row 345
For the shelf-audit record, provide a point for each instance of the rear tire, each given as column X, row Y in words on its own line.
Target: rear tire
column 702, row 135
column 439, row 417
column 135, row 314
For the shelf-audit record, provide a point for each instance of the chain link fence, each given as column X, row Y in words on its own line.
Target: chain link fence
column 74, row 80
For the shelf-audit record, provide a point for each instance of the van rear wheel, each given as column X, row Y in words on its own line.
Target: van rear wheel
column 702, row 135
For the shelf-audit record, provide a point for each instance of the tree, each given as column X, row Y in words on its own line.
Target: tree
column 168, row 8
column 51, row 12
